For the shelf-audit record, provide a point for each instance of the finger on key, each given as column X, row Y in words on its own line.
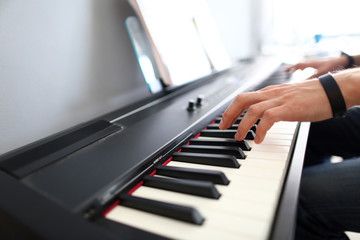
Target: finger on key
column 237, row 107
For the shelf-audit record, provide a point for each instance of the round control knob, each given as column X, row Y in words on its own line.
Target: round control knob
column 191, row 105
column 199, row 100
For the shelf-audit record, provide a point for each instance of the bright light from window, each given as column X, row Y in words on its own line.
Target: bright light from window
column 296, row 22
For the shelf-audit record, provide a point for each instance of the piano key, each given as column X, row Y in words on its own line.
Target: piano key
column 269, row 141
column 267, row 155
column 286, row 128
column 251, row 143
column 237, row 121
column 220, row 142
column 253, row 128
column 272, row 148
column 216, row 177
column 232, row 127
column 235, row 151
column 279, row 136
column 253, row 169
column 225, row 134
column 173, row 229
column 207, row 159
column 282, row 130
column 183, row 213
column 216, row 126
column 256, row 211
column 193, row 187
column 230, row 203
column 283, row 125
column 264, row 159
column 218, row 120
column 254, row 178
column 250, row 135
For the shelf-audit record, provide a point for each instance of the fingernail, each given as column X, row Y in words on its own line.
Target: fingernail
column 257, row 139
column 237, row 135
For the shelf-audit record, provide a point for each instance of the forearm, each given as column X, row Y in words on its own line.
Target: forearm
column 349, row 83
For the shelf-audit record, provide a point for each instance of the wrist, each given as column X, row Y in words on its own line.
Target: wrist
column 343, row 61
column 349, row 84
column 350, row 62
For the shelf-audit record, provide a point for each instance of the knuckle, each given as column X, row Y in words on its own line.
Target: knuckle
column 238, row 98
column 269, row 115
column 253, row 109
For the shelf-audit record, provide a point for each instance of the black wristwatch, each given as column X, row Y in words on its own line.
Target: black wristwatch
column 350, row 60
column 334, row 95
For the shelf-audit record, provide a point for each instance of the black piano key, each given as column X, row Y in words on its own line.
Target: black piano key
column 221, row 142
column 253, row 128
column 213, row 176
column 250, row 135
column 242, row 115
column 216, row 126
column 218, row 133
column 192, row 187
column 218, row 120
column 174, row 211
column 233, row 127
column 238, row 120
column 207, row 159
column 225, row 134
column 235, row 151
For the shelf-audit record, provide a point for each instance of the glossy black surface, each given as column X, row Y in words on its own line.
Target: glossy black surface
column 216, row 177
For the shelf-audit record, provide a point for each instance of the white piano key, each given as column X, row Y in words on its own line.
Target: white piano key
column 223, row 214
column 261, row 172
column 269, row 141
column 284, row 136
column 263, row 163
column 265, row 155
column 250, row 169
column 174, row 229
column 284, row 125
column 234, row 176
column 270, row 185
column 282, row 130
column 225, row 204
column 271, row 148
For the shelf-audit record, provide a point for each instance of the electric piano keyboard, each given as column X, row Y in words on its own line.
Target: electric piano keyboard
column 247, row 205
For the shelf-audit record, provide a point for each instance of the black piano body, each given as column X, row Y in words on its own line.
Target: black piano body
column 58, row 187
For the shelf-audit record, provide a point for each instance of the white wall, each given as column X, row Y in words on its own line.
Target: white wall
column 61, row 63
column 243, row 25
